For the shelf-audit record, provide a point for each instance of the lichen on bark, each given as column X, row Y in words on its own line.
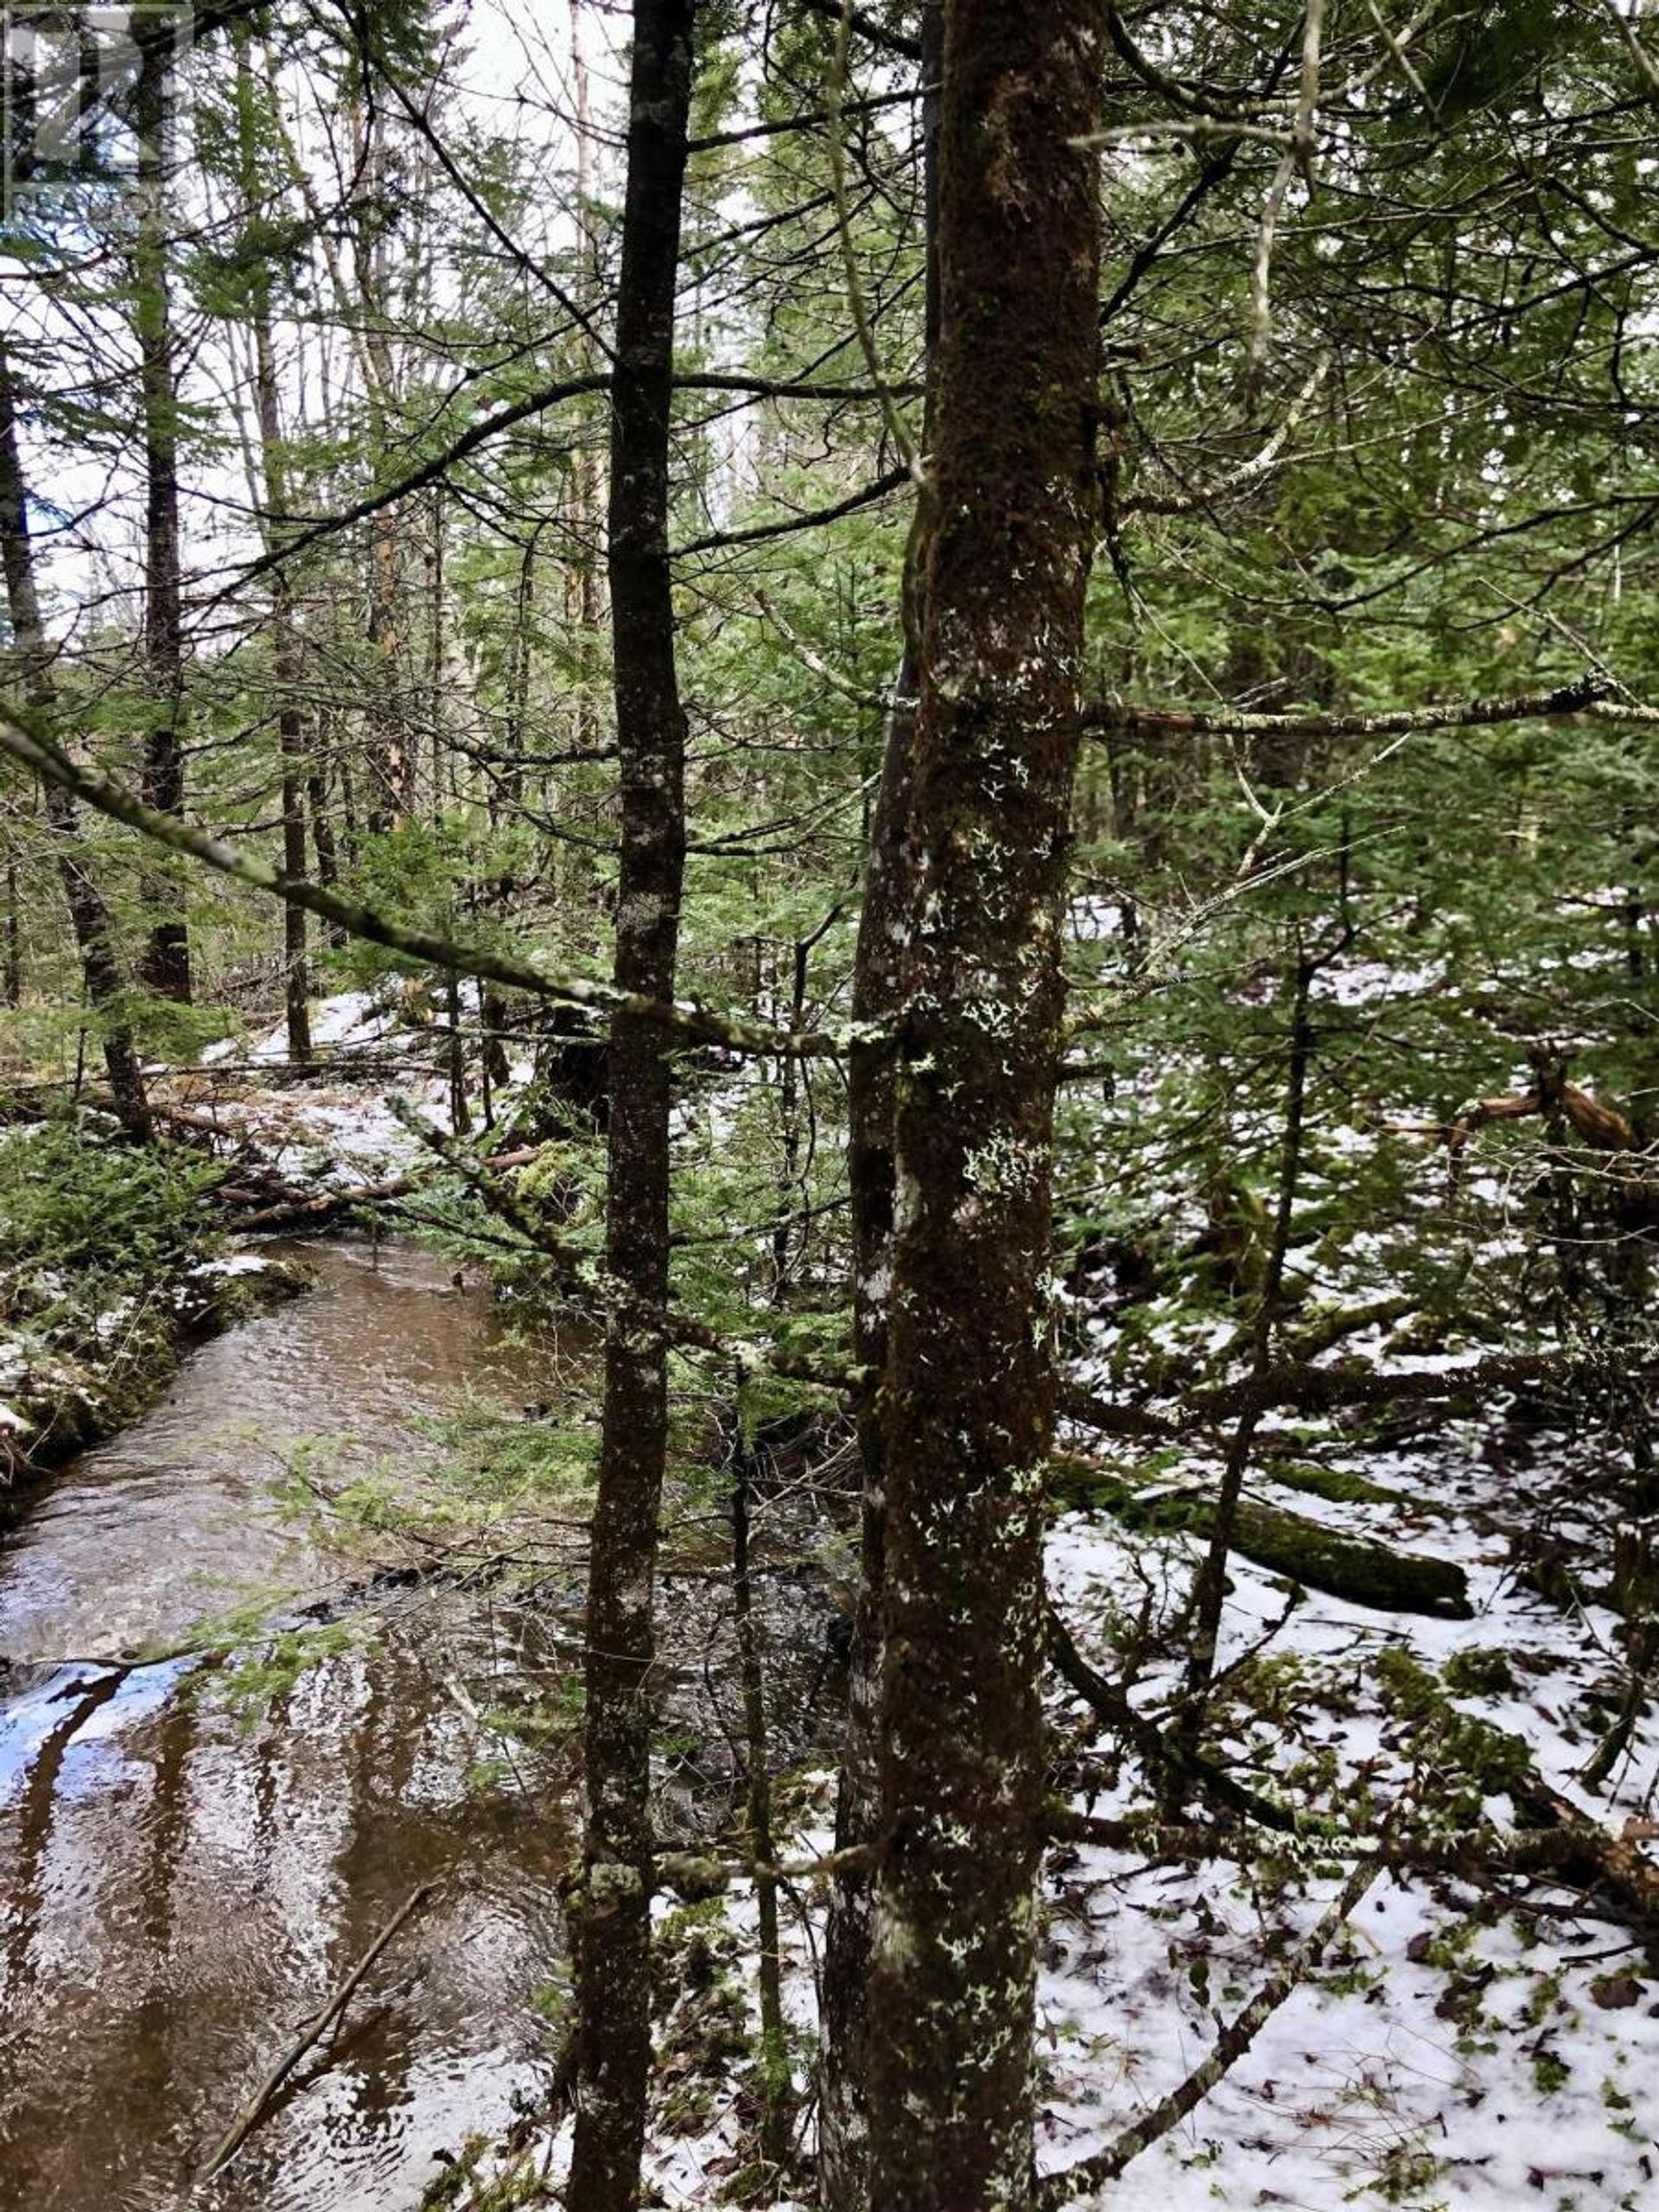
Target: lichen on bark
column 967, row 1394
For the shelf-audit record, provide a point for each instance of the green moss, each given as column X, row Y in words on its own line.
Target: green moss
column 1286, row 1543
column 1338, row 1486
column 1479, row 1760
column 1483, row 1671
column 1407, row 2171
column 1550, row 2072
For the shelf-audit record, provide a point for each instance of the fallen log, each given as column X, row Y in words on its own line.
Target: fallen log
column 1305, row 1389
column 1360, row 1573
column 1326, row 1389
column 295, row 1209
column 1592, row 1853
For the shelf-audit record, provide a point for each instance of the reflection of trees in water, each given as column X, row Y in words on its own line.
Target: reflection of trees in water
column 33, row 1837
column 219, row 1881
column 151, row 2040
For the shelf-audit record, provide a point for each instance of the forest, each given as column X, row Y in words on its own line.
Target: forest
column 829, row 1105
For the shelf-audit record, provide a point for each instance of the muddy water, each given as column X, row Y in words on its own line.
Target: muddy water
column 180, row 1889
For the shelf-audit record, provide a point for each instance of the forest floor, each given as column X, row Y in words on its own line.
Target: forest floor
column 1479, row 2044
column 1470, row 2043
column 1476, row 2044
column 1476, row 2040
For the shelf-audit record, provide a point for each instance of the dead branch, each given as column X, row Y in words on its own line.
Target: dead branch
column 1054, row 2190
column 1588, row 693
column 1163, row 1751
column 320, row 2026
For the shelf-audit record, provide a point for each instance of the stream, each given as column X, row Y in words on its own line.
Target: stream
column 183, row 1885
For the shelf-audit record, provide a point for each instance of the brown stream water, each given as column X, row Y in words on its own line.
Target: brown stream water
column 179, row 1889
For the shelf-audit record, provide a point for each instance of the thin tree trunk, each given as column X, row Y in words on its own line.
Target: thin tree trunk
column 507, row 784
column 776, row 2101
column 14, row 928
column 322, row 831
column 291, row 728
column 89, row 917
column 460, row 1119
column 1210, row 1587
column 390, row 756
column 1010, row 503
column 165, row 965
column 348, row 806
column 884, row 930
column 613, row 1942
column 584, row 466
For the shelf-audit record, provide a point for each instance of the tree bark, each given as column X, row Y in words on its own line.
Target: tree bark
column 883, row 934
column 165, row 964
column 89, row 917
column 390, row 750
column 1011, row 502
column 613, row 1937
column 585, row 473
column 291, row 727
column 14, row 962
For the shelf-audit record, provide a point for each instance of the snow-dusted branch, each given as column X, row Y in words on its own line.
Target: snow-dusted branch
column 1089, row 2175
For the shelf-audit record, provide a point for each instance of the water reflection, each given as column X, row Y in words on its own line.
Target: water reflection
column 179, row 1891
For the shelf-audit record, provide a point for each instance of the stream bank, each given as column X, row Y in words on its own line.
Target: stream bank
column 59, row 1399
column 112, row 1264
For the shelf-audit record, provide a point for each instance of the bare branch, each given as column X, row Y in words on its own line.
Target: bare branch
column 868, row 495
column 1586, row 695
column 38, row 752
column 1055, row 2190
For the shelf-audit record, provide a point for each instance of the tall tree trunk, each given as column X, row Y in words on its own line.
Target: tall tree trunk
column 883, row 934
column 291, row 727
column 590, row 607
column 390, row 750
column 1011, row 501
column 89, row 917
column 165, row 965
column 613, row 1934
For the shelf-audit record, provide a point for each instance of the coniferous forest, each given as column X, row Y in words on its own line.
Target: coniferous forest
column 829, row 1105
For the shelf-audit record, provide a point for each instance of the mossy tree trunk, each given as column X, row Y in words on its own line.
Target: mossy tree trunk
column 878, row 985
column 165, row 965
column 1011, row 504
column 613, row 1932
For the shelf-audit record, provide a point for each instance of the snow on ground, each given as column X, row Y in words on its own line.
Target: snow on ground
column 337, row 1131
column 1459, row 2047
column 349, row 1023
column 1449, row 2053
column 1456, row 2048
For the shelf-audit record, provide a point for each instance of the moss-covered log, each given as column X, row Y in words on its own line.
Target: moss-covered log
column 1304, row 1551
